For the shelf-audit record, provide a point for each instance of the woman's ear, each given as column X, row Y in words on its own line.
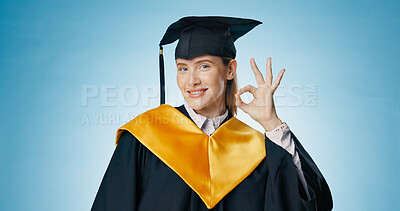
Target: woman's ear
column 231, row 69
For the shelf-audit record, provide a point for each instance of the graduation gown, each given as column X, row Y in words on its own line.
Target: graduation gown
column 139, row 179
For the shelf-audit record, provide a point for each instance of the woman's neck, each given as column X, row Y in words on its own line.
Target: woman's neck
column 212, row 110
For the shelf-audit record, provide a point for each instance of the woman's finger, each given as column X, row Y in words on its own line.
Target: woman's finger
column 268, row 77
column 248, row 88
column 257, row 73
column 239, row 103
column 278, row 79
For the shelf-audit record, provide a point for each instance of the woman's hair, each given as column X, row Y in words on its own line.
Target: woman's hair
column 231, row 89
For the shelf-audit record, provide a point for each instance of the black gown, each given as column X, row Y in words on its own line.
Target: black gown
column 136, row 179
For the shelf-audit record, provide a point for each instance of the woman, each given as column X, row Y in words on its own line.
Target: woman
column 198, row 156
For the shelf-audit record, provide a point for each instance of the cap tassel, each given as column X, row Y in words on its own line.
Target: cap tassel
column 162, row 80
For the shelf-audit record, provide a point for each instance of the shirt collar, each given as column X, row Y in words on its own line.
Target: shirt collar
column 200, row 119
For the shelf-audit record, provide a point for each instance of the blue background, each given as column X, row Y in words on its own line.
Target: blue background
column 72, row 72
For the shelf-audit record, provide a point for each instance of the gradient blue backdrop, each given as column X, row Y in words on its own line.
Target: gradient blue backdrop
column 72, row 72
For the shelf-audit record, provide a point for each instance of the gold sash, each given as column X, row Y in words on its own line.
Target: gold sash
column 211, row 165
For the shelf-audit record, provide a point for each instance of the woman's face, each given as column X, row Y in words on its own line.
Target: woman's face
column 202, row 80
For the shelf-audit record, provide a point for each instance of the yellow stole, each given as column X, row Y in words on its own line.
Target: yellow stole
column 211, row 165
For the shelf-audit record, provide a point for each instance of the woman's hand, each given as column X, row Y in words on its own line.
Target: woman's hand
column 261, row 108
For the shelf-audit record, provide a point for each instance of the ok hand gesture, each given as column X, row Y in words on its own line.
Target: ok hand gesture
column 261, row 108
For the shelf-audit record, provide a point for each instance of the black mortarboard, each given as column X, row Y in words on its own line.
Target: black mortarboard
column 211, row 35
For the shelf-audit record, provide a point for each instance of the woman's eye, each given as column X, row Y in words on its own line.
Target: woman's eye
column 183, row 69
column 204, row 66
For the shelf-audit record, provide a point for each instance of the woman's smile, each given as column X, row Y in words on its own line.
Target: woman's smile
column 195, row 93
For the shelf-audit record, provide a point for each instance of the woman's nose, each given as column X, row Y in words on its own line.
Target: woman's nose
column 193, row 79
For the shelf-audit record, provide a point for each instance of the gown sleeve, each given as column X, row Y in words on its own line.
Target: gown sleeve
column 281, row 136
column 286, row 191
column 119, row 189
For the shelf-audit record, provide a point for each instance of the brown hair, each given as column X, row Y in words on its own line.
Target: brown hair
column 231, row 89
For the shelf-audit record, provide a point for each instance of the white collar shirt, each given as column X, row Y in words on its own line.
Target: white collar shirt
column 208, row 126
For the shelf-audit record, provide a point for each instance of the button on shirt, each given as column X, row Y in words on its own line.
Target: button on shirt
column 280, row 135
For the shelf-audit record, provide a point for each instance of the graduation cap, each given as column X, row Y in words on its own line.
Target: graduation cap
column 203, row 35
